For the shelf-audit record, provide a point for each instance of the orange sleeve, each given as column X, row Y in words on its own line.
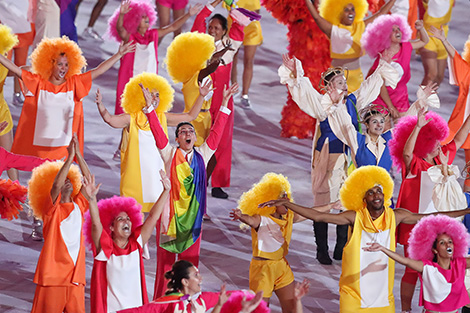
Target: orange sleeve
column 31, row 81
column 82, row 85
column 462, row 71
column 50, row 206
column 82, row 202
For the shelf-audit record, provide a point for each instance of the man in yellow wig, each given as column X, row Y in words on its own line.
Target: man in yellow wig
column 366, row 282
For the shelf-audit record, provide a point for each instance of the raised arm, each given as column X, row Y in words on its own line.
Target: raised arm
column 423, row 36
column 343, row 218
column 61, row 176
column 413, row 264
column 441, row 35
column 81, row 161
column 193, row 10
column 115, row 121
column 12, row 67
column 411, row 141
column 158, row 133
column 323, row 24
column 91, row 190
column 462, row 133
column 252, row 221
column 124, row 48
column 212, row 64
column 156, row 210
column 123, row 10
column 383, row 10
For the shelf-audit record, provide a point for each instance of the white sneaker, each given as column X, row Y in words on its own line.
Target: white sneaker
column 245, row 102
column 90, row 33
column 17, row 99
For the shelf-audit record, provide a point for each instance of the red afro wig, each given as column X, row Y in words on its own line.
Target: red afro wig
column 234, row 303
column 109, row 209
column 425, row 233
column 434, row 131
column 131, row 19
column 376, row 37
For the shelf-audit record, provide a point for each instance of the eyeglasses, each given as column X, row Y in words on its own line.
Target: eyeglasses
column 186, row 132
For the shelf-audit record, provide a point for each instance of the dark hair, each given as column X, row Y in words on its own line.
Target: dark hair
column 179, row 270
column 222, row 20
column 371, row 113
column 181, row 125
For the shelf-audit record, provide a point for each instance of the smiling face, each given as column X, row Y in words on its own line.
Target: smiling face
column 348, row 15
column 443, row 247
column 60, row 69
column 186, row 138
column 396, row 35
column 375, row 125
column 374, row 198
column 121, row 226
column 192, row 284
column 144, row 25
column 215, row 29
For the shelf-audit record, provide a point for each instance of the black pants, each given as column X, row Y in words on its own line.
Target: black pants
column 321, row 238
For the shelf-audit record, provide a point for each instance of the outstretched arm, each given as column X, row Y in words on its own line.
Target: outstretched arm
column 407, row 217
column 383, row 10
column 156, row 210
column 61, row 176
column 115, row 121
column 12, row 67
column 213, row 63
column 413, row 264
column 106, row 65
column 252, row 221
column 323, row 24
column 91, row 190
column 193, row 10
column 441, row 35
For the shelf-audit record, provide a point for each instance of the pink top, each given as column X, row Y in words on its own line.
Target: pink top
column 443, row 290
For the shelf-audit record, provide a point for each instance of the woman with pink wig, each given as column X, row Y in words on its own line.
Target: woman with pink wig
column 389, row 36
column 438, row 248
column 114, row 230
column 132, row 21
column 414, row 148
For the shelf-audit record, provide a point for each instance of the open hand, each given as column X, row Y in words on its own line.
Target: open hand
column 422, row 121
column 125, row 7
column 125, row 48
column 90, row 187
column 235, row 214
column 251, row 305
column 206, row 88
column 229, row 92
column 193, row 10
column 437, row 33
column 301, row 289
column 429, row 89
column 335, row 96
column 148, row 97
column 277, row 202
column 372, row 247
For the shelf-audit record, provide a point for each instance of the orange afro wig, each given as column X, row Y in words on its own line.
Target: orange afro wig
column 362, row 179
column 187, row 54
column 48, row 52
column 40, row 184
column 466, row 51
column 7, row 39
column 271, row 186
column 331, row 10
column 132, row 99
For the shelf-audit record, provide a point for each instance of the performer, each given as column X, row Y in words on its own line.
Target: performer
column 45, row 14
column 132, row 22
column 390, row 35
column 57, row 196
column 114, row 229
column 366, row 283
column 414, row 149
column 140, row 158
column 220, row 165
column 55, row 90
column 271, row 231
column 164, row 7
column 438, row 248
column 179, row 234
column 343, row 22
column 329, row 160
column 434, row 54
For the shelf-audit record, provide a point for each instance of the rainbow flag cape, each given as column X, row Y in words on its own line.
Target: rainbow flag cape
column 187, row 204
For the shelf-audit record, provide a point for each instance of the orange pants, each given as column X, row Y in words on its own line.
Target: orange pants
column 58, row 299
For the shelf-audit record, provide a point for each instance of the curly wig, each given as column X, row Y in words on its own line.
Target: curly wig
column 376, row 37
column 11, row 196
column 40, row 184
column 331, row 10
column 271, row 186
column 110, row 208
column 132, row 99
column 362, row 179
column 131, row 19
column 187, row 54
column 466, row 51
column 434, row 131
column 234, row 302
column 425, row 233
column 48, row 52
column 7, row 39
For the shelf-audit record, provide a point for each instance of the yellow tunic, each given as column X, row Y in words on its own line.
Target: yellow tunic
column 366, row 283
column 141, row 162
column 345, row 42
column 202, row 123
column 4, row 110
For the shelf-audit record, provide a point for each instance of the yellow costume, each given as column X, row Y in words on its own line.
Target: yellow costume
column 253, row 32
column 438, row 13
column 202, row 123
column 4, row 110
column 141, row 162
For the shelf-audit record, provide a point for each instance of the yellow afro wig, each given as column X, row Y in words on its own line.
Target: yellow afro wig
column 332, row 10
column 48, row 52
column 270, row 187
column 40, row 184
column 132, row 99
column 466, row 51
column 7, row 39
column 364, row 178
column 187, row 54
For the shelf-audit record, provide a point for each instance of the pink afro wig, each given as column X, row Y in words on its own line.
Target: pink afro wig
column 434, row 131
column 234, row 303
column 424, row 234
column 376, row 37
column 132, row 18
column 109, row 209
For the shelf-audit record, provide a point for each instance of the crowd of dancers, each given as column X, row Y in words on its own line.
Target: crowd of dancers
column 365, row 128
